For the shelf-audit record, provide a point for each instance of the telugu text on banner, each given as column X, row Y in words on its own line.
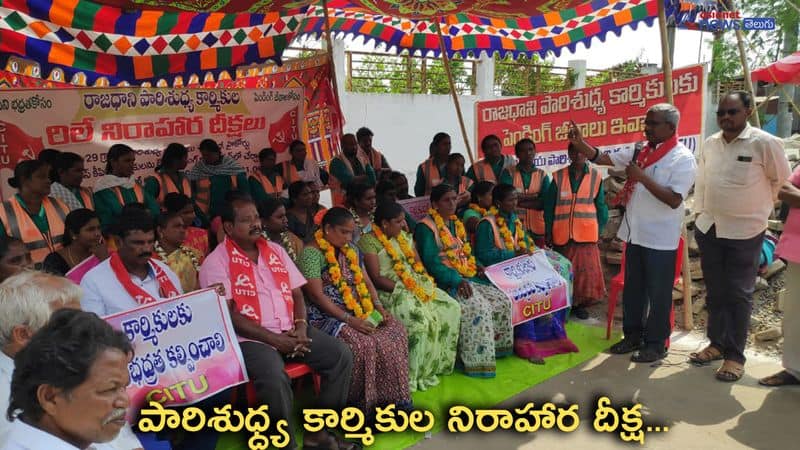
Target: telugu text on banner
column 89, row 121
column 185, row 350
column 534, row 287
column 610, row 116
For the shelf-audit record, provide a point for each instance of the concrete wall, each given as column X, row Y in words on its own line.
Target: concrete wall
column 404, row 124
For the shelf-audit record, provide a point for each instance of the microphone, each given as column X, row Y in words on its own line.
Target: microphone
column 637, row 148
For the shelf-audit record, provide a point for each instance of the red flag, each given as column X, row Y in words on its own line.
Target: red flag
column 284, row 131
column 16, row 145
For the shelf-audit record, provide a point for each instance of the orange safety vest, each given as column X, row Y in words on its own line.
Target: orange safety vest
column 483, row 170
column 290, row 174
column 167, row 186
column 269, row 188
column 203, row 192
column 531, row 218
column 337, row 189
column 575, row 214
column 19, row 225
column 498, row 240
column 137, row 191
column 428, row 221
column 86, row 198
column 428, row 169
column 376, row 159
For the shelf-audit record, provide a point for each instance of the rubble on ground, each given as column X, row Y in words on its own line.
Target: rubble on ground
column 765, row 327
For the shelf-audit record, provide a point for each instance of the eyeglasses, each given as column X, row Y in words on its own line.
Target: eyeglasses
column 729, row 112
column 653, row 123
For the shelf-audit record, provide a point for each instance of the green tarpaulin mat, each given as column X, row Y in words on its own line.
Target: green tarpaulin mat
column 514, row 375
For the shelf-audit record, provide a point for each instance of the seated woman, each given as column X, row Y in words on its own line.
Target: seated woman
column 118, row 187
column 479, row 205
column 485, row 331
column 344, row 303
column 196, row 237
column 275, row 227
column 83, row 249
column 169, row 247
column 31, row 215
column 360, row 200
column 301, row 210
column 14, row 257
column 501, row 236
column 431, row 317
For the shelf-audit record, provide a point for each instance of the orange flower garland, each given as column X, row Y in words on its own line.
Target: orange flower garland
column 468, row 268
column 400, row 267
column 505, row 233
column 475, row 207
column 363, row 309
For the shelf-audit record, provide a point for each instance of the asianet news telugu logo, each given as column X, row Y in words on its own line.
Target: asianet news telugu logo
column 717, row 15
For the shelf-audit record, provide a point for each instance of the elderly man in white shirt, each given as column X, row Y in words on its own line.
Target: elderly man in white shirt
column 740, row 172
column 26, row 303
column 68, row 389
column 131, row 277
column 660, row 176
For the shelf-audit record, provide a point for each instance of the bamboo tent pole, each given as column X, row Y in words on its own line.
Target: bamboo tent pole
column 688, row 319
column 748, row 83
column 329, row 44
column 453, row 92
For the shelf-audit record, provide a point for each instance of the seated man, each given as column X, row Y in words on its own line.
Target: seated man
column 68, row 387
column 269, row 315
column 26, row 302
column 131, row 276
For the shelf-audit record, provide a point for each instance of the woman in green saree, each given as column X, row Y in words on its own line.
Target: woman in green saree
column 430, row 316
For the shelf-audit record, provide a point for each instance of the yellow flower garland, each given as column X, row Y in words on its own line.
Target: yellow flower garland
column 400, row 267
column 363, row 309
column 468, row 268
column 475, row 207
column 505, row 233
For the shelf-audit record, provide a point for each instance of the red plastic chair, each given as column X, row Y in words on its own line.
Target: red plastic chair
column 618, row 282
column 295, row 371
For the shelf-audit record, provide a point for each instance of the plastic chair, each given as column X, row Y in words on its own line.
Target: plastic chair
column 618, row 283
column 295, row 371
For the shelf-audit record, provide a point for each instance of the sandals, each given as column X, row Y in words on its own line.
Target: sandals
column 706, row 355
column 782, row 378
column 730, row 371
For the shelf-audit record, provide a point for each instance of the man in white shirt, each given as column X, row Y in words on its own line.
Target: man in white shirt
column 660, row 176
column 131, row 276
column 740, row 172
column 26, row 301
column 299, row 168
column 68, row 388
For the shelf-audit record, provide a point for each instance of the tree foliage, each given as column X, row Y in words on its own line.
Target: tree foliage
column 528, row 76
column 387, row 74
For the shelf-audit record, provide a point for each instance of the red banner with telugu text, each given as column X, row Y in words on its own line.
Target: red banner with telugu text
column 610, row 116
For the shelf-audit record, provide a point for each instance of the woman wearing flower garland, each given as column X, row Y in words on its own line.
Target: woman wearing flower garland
column 345, row 304
column 478, row 206
column 485, row 331
column 275, row 227
column 502, row 236
column 431, row 317
column 360, row 200
column 169, row 247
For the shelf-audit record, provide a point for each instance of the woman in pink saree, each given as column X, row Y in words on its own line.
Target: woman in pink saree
column 83, row 248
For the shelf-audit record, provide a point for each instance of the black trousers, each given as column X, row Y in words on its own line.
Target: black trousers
column 329, row 357
column 730, row 267
column 647, row 295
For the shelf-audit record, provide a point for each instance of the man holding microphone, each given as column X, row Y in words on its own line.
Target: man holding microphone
column 660, row 175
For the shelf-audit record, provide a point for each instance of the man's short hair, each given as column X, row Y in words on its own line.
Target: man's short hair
column 134, row 220
column 60, row 354
column 29, row 297
column 670, row 112
column 232, row 200
column 363, row 132
column 744, row 96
